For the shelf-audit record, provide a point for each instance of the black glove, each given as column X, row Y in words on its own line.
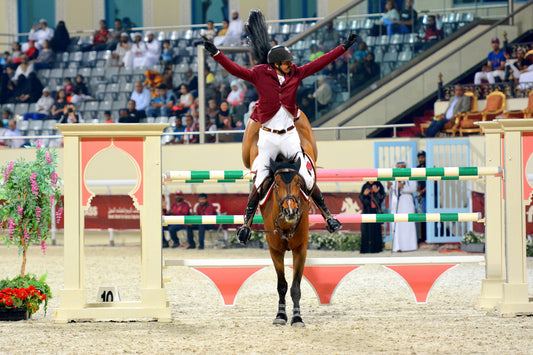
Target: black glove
column 352, row 38
column 209, row 46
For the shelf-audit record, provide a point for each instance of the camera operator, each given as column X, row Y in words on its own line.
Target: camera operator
column 70, row 115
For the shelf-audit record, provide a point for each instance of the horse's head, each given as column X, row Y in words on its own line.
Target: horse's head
column 287, row 184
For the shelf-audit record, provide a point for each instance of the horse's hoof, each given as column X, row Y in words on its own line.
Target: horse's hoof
column 298, row 322
column 280, row 321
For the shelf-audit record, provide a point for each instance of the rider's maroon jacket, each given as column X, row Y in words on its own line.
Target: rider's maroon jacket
column 271, row 94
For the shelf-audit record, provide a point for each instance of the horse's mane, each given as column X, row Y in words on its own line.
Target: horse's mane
column 293, row 163
column 256, row 30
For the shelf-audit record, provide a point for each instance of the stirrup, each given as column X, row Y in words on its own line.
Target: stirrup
column 243, row 234
column 333, row 224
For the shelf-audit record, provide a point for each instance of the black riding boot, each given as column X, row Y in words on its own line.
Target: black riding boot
column 244, row 232
column 332, row 224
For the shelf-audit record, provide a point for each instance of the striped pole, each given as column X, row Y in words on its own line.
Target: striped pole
column 344, row 218
column 450, row 173
column 341, row 179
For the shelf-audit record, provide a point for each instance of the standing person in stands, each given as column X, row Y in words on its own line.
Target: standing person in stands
column 41, row 33
column 408, row 19
column 61, row 39
column 495, row 65
column 421, row 196
column 276, row 80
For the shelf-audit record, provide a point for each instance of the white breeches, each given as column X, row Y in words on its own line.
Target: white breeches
column 270, row 145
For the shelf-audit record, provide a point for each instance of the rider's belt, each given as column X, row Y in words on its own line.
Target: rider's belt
column 281, row 131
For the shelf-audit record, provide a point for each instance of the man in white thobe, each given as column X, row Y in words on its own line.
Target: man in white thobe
column 401, row 201
column 153, row 51
column 235, row 30
column 41, row 33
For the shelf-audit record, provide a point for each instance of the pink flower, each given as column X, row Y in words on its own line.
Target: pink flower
column 11, row 228
column 34, row 187
column 48, row 157
column 8, row 170
column 38, row 144
column 59, row 213
column 43, row 246
column 38, row 214
column 20, row 210
column 26, row 236
column 53, row 177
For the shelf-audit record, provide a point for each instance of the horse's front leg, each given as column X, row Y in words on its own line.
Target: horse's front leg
column 279, row 265
column 298, row 256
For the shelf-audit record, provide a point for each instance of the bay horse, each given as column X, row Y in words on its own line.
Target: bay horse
column 285, row 211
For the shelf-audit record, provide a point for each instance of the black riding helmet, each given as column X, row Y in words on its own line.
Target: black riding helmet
column 278, row 54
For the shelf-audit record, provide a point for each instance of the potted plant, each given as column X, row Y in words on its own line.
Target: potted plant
column 473, row 243
column 29, row 192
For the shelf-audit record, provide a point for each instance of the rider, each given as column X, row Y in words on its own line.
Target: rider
column 276, row 110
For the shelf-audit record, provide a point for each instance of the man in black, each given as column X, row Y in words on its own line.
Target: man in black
column 421, row 196
column 409, row 17
column 131, row 115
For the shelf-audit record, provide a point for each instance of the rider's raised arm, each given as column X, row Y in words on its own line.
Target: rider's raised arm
column 321, row 62
column 234, row 68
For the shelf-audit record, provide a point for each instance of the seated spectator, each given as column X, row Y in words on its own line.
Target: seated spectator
column 80, row 84
column 408, row 19
column 190, row 127
column 167, row 54
column 61, row 38
column 204, row 208
column 115, row 35
column 100, row 37
column 16, row 51
column 6, row 116
column 167, row 77
column 433, row 31
column 248, row 114
column 44, row 104
column 41, row 33
column 180, row 208
column 32, row 52
column 329, row 37
column 46, row 57
column 162, row 104
column 389, row 19
column 178, row 128
column 12, row 131
column 70, row 115
column 323, row 94
column 136, row 56
column 211, row 32
column 223, row 112
column 235, row 30
column 30, row 89
column 517, row 67
column 129, row 115
column 57, row 108
column 250, row 93
column 227, row 125
column 25, row 68
column 239, row 126
column 209, row 76
column 315, row 52
column 69, row 86
column 360, row 53
column 211, row 112
column 6, row 89
column 221, row 35
column 459, row 104
column 210, row 126
column 185, row 101
column 3, row 131
column 107, row 117
column 236, row 95
column 495, row 65
column 78, row 96
column 191, row 81
column 5, row 60
column 364, row 72
column 153, row 51
column 142, row 97
column 117, row 56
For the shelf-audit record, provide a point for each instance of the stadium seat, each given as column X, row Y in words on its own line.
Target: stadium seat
column 20, row 109
column 48, row 125
column 23, row 126
column 89, row 58
column 85, row 72
column 98, row 73
column 37, row 126
column 91, row 107
column 119, row 104
column 70, row 73
column 161, row 36
column 105, row 105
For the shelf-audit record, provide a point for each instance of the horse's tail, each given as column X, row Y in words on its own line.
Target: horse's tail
column 256, row 30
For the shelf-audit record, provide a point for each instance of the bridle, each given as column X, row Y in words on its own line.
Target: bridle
column 302, row 207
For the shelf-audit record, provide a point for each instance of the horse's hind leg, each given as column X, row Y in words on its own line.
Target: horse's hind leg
column 298, row 257
column 279, row 265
